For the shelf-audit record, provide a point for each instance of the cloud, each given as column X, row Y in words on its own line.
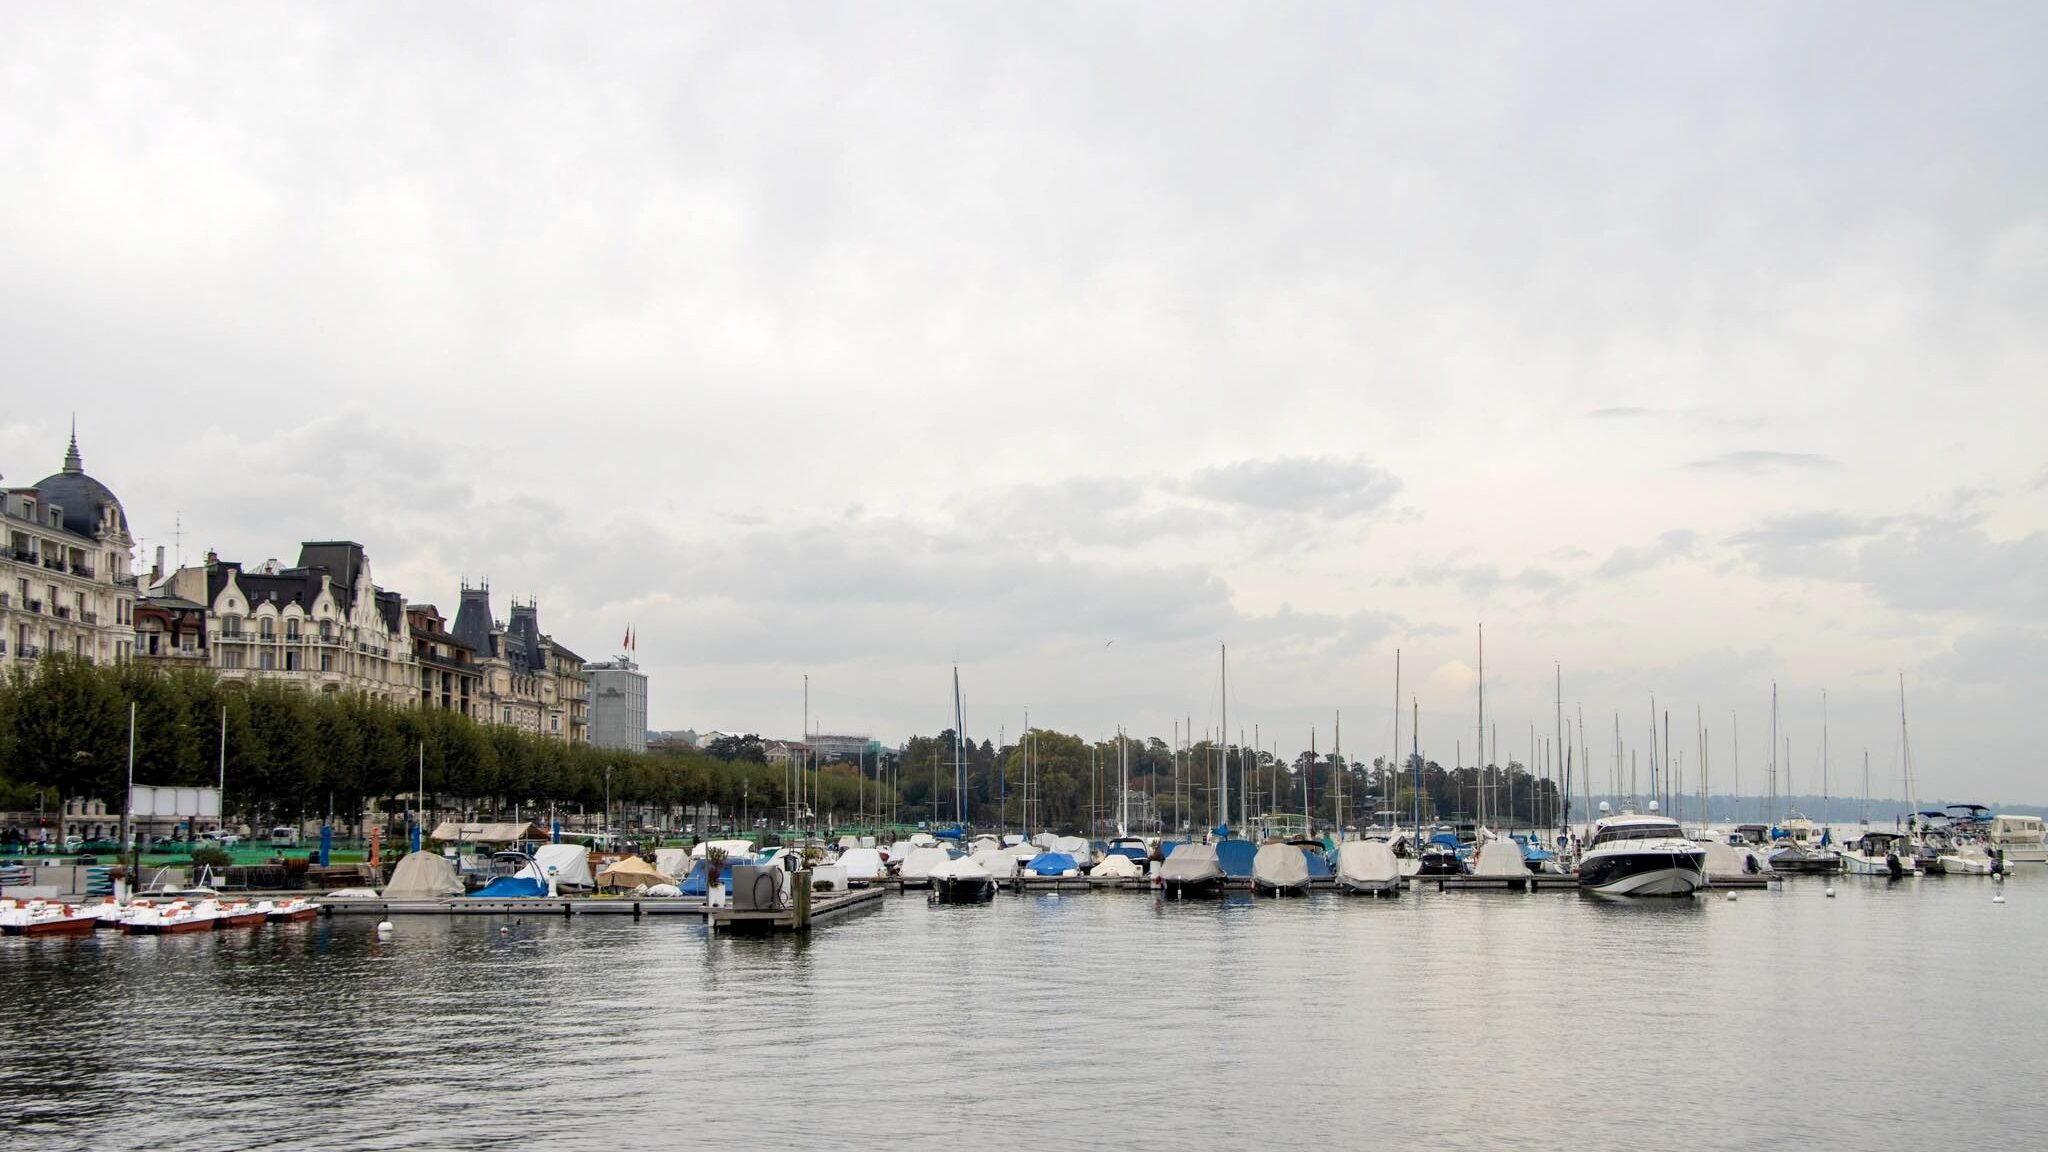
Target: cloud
column 1940, row 564
column 1622, row 413
column 1483, row 581
column 1316, row 485
column 1758, row 460
column 1628, row 561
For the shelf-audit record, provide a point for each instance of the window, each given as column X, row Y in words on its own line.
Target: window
column 268, row 660
column 554, row 723
column 263, row 627
column 291, row 661
column 231, row 658
column 291, row 629
column 508, row 715
column 231, row 627
column 327, row 661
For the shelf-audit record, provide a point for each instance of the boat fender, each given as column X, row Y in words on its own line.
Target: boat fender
column 383, row 927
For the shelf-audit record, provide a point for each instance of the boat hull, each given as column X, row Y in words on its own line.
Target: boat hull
column 242, row 920
column 64, row 926
column 1360, row 887
column 1207, row 888
column 973, row 890
column 1643, row 873
column 286, row 915
column 1264, row 888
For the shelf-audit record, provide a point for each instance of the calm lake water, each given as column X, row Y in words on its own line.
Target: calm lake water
column 1896, row 1015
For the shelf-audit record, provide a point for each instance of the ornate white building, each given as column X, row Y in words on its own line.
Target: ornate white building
column 323, row 624
column 66, row 581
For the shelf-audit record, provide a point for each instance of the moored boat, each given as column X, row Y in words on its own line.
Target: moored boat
column 1280, row 869
column 1641, row 854
column 292, row 908
column 1368, row 867
column 46, row 918
column 242, row 914
column 1192, row 870
column 2017, row 839
column 178, row 916
column 963, row 881
column 1878, row 854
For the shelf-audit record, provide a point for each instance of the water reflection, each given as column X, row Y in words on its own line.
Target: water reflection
column 1062, row 1018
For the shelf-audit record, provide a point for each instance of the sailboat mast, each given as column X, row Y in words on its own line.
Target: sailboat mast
column 1394, row 774
column 959, row 755
column 1415, row 758
column 1224, row 657
column 1479, row 754
column 1823, row 762
column 1564, row 821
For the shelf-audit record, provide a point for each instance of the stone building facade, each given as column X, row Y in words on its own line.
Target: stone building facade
column 66, row 581
column 526, row 679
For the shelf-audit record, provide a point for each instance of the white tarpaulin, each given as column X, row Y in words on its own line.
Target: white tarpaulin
column 456, row 832
column 672, row 861
column 919, row 864
column 862, row 864
column 1501, row 857
column 1116, row 865
column 1189, row 863
column 570, row 864
column 1369, row 862
column 1278, row 866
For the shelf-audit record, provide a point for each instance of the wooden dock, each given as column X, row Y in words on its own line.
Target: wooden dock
column 1533, row 882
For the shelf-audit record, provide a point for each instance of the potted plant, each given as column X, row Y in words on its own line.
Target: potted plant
column 714, row 863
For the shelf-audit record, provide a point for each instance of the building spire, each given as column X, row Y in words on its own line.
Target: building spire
column 71, row 461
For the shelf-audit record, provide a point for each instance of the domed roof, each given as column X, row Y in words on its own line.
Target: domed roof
column 81, row 496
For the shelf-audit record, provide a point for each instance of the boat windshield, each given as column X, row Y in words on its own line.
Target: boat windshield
column 1638, row 832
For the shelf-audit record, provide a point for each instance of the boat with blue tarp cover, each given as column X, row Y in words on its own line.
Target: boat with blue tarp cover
column 1235, row 857
column 1052, row 864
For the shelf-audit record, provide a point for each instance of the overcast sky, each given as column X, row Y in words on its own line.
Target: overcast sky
column 1689, row 347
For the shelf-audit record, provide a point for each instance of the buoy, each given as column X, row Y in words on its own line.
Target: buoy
column 1998, row 899
column 503, row 931
column 1829, row 892
column 1731, row 896
column 383, row 927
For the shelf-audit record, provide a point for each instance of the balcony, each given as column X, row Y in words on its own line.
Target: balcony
column 89, row 617
column 84, row 570
column 25, row 555
column 29, row 652
column 54, row 563
column 63, row 612
column 127, row 581
column 35, row 606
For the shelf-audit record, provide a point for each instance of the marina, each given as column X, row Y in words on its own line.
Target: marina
column 1508, row 994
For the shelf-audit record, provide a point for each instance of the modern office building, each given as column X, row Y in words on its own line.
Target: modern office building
column 618, row 704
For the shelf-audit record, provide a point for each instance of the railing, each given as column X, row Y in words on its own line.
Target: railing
column 54, row 563
column 127, row 581
column 84, row 570
column 25, row 555
column 63, row 612
column 29, row 652
column 90, row 617
column 35, row 606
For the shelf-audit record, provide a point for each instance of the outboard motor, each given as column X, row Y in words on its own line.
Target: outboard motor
column 1892, row 865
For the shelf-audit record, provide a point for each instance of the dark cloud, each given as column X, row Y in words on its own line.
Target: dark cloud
column 1759, row 460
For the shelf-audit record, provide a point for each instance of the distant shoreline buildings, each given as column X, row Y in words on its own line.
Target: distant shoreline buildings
column 67, row 585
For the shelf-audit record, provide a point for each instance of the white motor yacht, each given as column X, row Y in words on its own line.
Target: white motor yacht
column 2018, row 838
column 1642, row 854
column 1878, row 854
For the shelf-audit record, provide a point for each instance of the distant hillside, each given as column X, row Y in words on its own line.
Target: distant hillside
column 1838, row 809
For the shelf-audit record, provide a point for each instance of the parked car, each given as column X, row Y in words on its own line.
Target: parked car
column 283, row 837
column 224, row 839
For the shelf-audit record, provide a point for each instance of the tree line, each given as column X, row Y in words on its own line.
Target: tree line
column 292, row 756
column 288, row 755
